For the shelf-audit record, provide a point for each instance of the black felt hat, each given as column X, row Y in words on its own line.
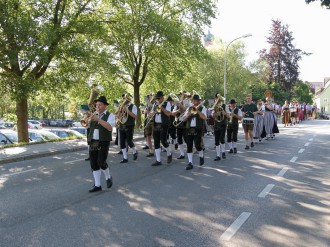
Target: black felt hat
column 232, row 101
column 197, row 97
column 102, row 99
column 159, row 94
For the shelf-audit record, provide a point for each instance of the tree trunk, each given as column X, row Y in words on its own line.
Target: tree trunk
column 137, row 103
column 22, row 118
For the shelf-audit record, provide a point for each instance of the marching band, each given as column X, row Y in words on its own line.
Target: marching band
column 182, row 118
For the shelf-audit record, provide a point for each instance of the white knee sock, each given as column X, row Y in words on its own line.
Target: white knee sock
column 234, row 144
column 201, row 153
column 230, row 145
column 157, row 152
column 217, row 148
column 223, row 147
column 124, row 153
column 168, row 150
column 106, row 173
column 134, row 150
column 97, row 178
column 181, row 149
column 190, row 157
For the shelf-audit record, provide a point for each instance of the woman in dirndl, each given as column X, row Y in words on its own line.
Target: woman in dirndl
column 269, row 117
column 259, row 121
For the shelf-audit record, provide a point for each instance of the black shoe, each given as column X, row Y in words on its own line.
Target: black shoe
column 176, row 146
column 164, row 151
column 231, row 151
column 157, row 163
column 181, row 157
column 135, row 156
column 145, row 147
column 120, row 152
column 169, row 159
column 201, row 161
column 223, row 155
column 247, row 147
column 189, row 166
column 124, row 161
column 95, row 188
column 235, row 150
column 87, row 159
column 217, row 158
column 150, row 155
column 252, row 144
column 259, row 140
column 109, row 183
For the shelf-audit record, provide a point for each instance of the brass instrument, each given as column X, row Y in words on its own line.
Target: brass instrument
column 91, row 105
column 122, row 112
column 84, row 122
column 193, row 109
column 218, row 110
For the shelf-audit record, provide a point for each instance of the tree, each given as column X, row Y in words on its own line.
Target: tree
column 302, row 92
column 282, row 57
column 35, row 36
column 325, row 3
column 157, row 37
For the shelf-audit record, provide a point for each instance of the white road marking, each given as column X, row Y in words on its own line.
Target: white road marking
column 283, row 171
column 17, row 173
column 311, row 139
column 306, row 144
column 266, row 190
column 235, row 226
column 301, row 151
column 72, row 161
column 294, row 159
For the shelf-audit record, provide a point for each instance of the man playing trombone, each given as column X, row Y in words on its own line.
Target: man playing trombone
column 195, row 117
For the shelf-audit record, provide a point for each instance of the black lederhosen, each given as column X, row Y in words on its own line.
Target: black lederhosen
column 220, row 133
column 98, row 153
column 160, row 135
column 126, row 136
column 194, row 136
column 232, row 131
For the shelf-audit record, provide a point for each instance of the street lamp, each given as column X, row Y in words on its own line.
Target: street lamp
column 225, row 66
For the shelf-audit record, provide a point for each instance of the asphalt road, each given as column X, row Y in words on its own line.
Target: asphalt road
column 277, row 194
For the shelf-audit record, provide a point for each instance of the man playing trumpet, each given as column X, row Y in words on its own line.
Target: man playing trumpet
column 100, row 135
column 195, row 117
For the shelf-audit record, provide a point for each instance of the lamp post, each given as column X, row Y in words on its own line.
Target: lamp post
column 225, row 65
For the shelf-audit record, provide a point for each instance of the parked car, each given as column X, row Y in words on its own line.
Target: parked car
column 8, row 137
column 81, row 130
column 76, row 124
column 63, row 133
column 8, row 125
column 34, row 124
column 42, row 135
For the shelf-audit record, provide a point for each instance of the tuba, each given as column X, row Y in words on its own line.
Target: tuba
column 122, row 112
column 218, row 109
column 91, row 105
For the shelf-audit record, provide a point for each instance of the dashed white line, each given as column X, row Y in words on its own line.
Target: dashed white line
column 293, row 159
column 311, row 139
column 235, row 226
column 306, row 144
column 301, row 150
column 266, row 190
column 283, row 171
column 17, row 173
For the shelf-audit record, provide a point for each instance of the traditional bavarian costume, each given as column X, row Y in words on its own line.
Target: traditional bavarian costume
column 160, row 128
column 259, row 123
column 220, row 128
column 194, row 132
column 126, row 132
column 285, row 115
column 99, row 139
column 232, row 129
column 269, row 118
column 248, row 121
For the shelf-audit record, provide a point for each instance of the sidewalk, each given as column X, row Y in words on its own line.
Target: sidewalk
column 27, row 152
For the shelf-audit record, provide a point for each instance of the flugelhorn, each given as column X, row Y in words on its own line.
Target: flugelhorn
column 85, row 121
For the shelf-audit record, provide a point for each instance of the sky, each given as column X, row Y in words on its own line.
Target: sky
column 309, row 24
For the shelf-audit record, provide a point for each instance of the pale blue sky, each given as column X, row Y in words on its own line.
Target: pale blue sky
column 308, row 23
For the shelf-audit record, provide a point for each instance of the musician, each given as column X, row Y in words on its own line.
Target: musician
column 126, row 130
column 99, row 138
column 172, row 130
column 220, row 115
column 161, row 112
column 194, row 118
column 87, row 115
column 249, row 109
column 258, row 126
column 148, row 124
column 232, row 130
column 178, row 113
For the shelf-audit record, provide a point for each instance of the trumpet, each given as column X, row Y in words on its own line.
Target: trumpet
column 85, row 121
